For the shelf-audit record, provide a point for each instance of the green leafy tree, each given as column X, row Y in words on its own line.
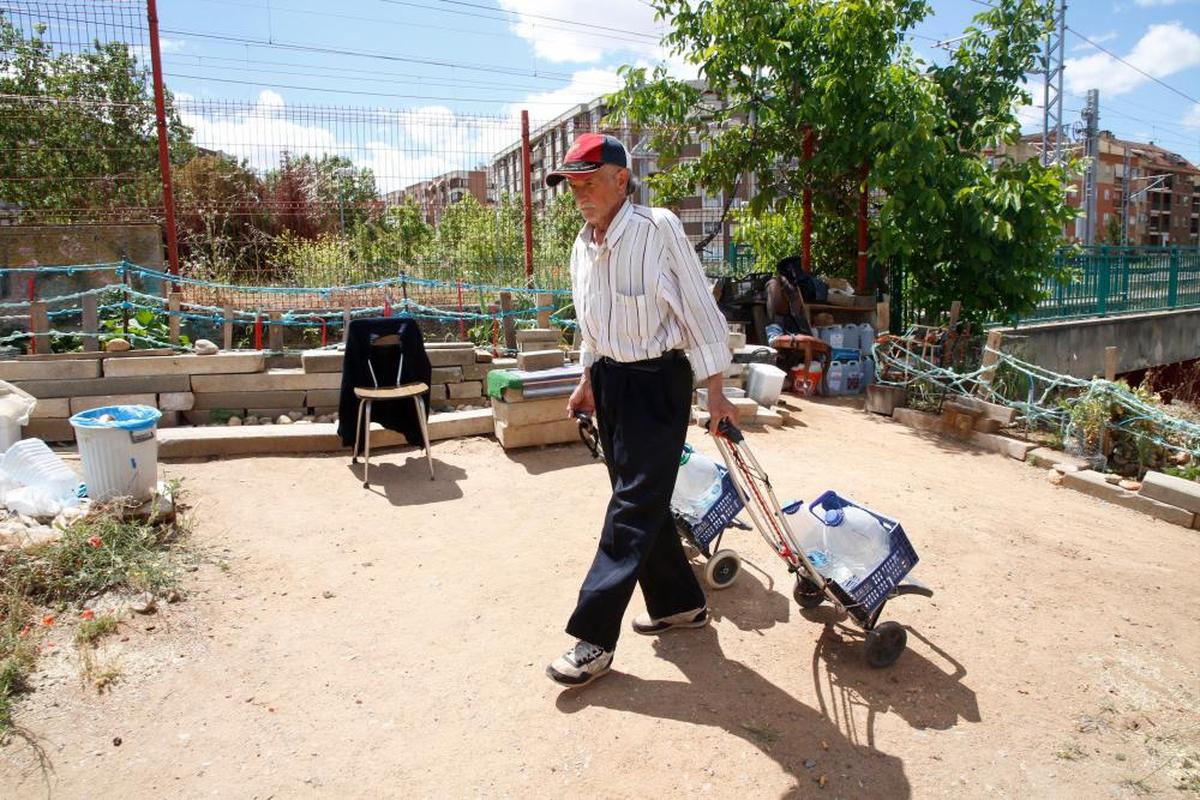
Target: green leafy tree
column 400, row 236
column 221, row 217
column 957, row 226
column 78, row 132
column 315, row 196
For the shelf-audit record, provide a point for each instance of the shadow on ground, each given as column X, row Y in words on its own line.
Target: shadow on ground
column 407, row 483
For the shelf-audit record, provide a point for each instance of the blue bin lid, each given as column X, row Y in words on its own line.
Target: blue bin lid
column 130, row 418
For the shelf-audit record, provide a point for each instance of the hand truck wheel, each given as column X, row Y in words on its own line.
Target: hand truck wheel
column 807, row 594
column 885, row 643
column 722, row 569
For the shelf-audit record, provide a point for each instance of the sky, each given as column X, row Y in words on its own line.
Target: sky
column 450, row 76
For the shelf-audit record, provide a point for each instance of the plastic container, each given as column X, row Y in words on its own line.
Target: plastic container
column 855, row 541
column 119, row 450
column 868, row 371
column 10, row 433
column 816, row 373
column 697, row 486
column 16, row 405
column 837, row 336
column 853, row 376
column 764, row 382
column 31, row 463
column 728, row 391
column 866, row 338
column 850, row 337
column 835, row 378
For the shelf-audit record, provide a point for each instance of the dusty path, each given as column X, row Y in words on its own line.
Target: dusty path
column 392, row 643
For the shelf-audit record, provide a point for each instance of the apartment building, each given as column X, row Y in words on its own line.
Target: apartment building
column 435, row 194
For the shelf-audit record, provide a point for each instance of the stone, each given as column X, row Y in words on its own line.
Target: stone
column 250, row 421
column 437, row 393
column 1093, row 483
column 1064, row 468
column 204, row 347
column 996, row 443
column 117, row 346
column 84, row 403
column 248, row 400
column 169, row 419
column 747, row 410
column 144, row 384
column 315, row 398
column 176, row 401
column 504, row 363
column 918, row 420
column 322, row 360
column 143, row 603
column 234, row 421
column 1054, row 476
column 1172, row 490
column 1044, row 456
column 533, row 360
column 476, row 372
column 1113, row 480
column 51, row 408
column 459, row 356
column 483, row 357
column 446, row 375
column 49, row 430
column 514, row 436
column 265, row 421
column 769, row 417
column 308, row 418
column 295, row 416
column 284, row 419
column 530, row 412
column 264, row 439
column 219, row 364
column 466, row 389
column 1130, row 486
column 19, row 370
column 274, row 380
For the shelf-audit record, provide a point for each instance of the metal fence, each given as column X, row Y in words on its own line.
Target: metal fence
column 1107, row 281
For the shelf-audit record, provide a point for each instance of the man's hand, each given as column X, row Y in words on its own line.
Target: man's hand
column 719, row 407
column 582, row 400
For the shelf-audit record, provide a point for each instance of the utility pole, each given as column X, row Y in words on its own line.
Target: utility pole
column 1052, row 102
column 1091, row 151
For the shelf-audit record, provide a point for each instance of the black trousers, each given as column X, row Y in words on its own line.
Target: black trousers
column 642, row 409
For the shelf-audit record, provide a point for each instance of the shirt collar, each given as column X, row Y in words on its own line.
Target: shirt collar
column 615, row 229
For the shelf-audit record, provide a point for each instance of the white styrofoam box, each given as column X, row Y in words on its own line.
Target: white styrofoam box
column 728, row 391
column 764, row 382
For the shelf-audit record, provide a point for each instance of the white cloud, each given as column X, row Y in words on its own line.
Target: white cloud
column 620, row 26
column 585, row 86
column 1097, row 38
column 1153, row 3
column 1192, row 118
column 1162, row 51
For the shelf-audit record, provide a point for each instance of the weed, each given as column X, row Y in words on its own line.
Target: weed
column 107, row 677
column 91, row 631
column 1071, row 752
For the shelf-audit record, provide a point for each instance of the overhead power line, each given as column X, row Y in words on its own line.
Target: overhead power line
column 1134, row 67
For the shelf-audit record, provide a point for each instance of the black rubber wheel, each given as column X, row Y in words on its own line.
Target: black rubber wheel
column 722, row 569
column 885, row 643
column 807, row 594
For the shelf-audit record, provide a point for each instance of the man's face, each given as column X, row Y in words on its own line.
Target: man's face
column 599, row 194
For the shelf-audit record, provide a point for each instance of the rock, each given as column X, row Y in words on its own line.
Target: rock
column 234, row 421
column 174, row 597
column 250, row 421
column 27, row 521
column 324, row 418
column 308, row 418
column 143, row 603
column 204, row 347
column 1113, row 479
column 1055, row 477
column 284, row 419
column 1062, row 468
column 304, row 422
column 117, row 346
column 295, row 415
column 1132, row 486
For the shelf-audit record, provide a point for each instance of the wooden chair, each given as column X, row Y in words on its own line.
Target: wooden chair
column 367, row 395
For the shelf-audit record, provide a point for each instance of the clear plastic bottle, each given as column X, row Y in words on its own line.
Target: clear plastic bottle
column 698, row 485
column 31, row 463
column 855, row 540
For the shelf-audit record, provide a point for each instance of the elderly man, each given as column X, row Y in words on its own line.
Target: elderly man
column 641, row 301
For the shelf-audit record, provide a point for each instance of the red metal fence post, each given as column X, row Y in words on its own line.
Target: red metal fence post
column 164, row 152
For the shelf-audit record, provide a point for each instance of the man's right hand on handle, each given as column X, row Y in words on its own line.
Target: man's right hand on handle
column 582, row 400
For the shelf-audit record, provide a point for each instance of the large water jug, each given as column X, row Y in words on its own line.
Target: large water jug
column 855, row 541
column 32, row 463
column 850, row 337
column 853, row 377
column 837, row 337
column 835, row 378
column 697, row 486
column 866, row 338
column 868, row 371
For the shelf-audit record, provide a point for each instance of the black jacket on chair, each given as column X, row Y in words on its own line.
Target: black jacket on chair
column 396, row 415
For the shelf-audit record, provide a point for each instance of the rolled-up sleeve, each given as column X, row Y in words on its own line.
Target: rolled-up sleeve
column 686, row 290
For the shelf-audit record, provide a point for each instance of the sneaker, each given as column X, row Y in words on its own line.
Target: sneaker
column 648, row 626
column 580, row 665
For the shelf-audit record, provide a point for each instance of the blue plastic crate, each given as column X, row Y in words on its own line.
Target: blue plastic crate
column 720, row 515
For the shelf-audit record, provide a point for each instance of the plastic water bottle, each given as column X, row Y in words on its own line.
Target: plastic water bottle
column 31, row 463
column 855, row 540
column 698, row 485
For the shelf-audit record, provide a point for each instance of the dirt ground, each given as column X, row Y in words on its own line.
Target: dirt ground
column 339, row 642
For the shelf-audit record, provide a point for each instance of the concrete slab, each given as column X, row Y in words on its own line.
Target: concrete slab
column 537, row 335
column 530, row 412
column 446, row 375
column 146, row 384
column 504, row 363
column 1172, row 490
column 49, row 370
column 52, row 408
column 514, row 436
column 769, row 417
column 1094, row 483
column 1045, row 457
column 459, row 356
column 1001, row 444
column 219, row 363
column 437, row 392
column 533, row 360
column 483, row 356
column 322, row 397
column 274, row 380
column 50, row 430
column 235, row 400
column 176, row 401
column 322, row 360
column 747, row 409
column 457, row 424
column 477, row 371
column 169, row 419
column 466, row 389
column 920, row 420
column 84, row 403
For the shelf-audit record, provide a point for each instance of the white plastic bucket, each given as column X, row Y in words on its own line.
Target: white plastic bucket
column 118, row 446
column 764, row 382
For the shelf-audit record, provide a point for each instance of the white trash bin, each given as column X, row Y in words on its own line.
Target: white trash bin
column 118, row 446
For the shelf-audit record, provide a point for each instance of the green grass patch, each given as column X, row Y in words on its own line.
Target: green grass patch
column 93, row 630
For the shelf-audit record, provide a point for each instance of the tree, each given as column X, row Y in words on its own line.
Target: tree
column 79, row 132
column 314, row 196
column 221, row 217
column 957, row 226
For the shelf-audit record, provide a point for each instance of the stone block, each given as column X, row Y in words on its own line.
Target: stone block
column 275, row 380
column 455, row 424
column 221, row 363
column 477, row 372
column 84, row 403
column 770, row 417
column 446, row 375
column 177, row 401
column 446, row 345
column 52, row 408
column 16, row 371
column 322, row 397
column 466, row 389
column 1045, row 457
column 196, row 417
column 919, row 420
column 1001, row 444
column 504, row 363
column 50, row 430
column 437, row 392
column 530, row 412
column 885, row 399
column 322, row 360
column 537, row 335
column 533, row 360
column 747, row 409
column 1093, row 483
column 234, row 400
column 1171, row 490
column 261, row 440
column 169, row 419
column 513, row 436
column 459, row 356
column 483, row 357
column 145, row 384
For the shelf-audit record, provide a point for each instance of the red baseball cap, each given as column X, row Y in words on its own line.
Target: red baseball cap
column 589, row 153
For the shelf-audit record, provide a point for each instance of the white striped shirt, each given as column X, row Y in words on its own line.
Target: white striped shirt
column 642, row 292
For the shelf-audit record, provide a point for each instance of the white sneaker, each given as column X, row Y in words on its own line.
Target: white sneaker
column 580, row 665
column 649, row 626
